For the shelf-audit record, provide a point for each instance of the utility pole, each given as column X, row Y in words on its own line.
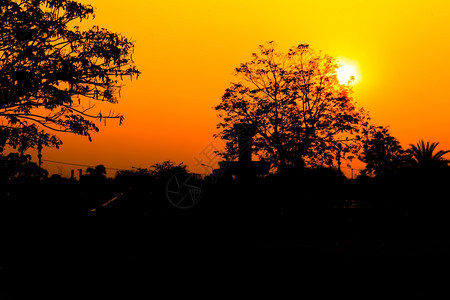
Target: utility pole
column 351, row 169
column 338, row 158
column 40, row 152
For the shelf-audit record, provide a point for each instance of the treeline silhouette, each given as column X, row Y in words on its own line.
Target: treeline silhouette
column 302, row 212
column 142, row 191
column 322, row 196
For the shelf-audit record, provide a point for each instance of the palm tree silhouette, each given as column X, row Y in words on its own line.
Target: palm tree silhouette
column 424, row 156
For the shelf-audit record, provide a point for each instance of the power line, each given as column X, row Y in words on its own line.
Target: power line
column 116, row 169
column 76, row 165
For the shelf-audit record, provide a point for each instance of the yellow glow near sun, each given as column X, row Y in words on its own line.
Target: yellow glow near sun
column 348, row 72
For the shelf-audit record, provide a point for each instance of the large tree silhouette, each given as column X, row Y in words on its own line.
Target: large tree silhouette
column 52, row 73
column 301, row 113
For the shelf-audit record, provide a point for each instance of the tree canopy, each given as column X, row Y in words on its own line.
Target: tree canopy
column 15, row 168
column 382, row 153
column 424, row 155
column 301, row 113
column 52, row 73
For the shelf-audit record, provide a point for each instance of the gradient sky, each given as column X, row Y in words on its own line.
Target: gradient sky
column 187, row 51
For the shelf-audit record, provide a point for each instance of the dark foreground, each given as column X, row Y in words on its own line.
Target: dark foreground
column 235, row 236
column 330, row 252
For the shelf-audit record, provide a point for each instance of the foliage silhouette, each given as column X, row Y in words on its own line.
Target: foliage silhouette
column 424, row 156
column 138, row 186
column 162, row 172
column 17, row 168
column 98, row 172
column 302, row 115
column 95, row 188
column 139, row 177
column 286, row 208
column 51, row 71
column 382, row 153
column 297, row 189
column 166, row 169
column 139, row 191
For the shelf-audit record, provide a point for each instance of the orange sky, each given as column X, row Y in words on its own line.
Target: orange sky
column 187, row 51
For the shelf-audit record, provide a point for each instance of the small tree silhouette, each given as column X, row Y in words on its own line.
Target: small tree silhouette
column 166, row 169
column 17, row 168
column 98, row 172
column 382, row 152
column 425, row 157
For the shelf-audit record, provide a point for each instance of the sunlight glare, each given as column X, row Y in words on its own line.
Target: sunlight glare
column 348, row 72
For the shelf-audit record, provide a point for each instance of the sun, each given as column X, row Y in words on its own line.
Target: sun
column 348, row 72
column 345, row 74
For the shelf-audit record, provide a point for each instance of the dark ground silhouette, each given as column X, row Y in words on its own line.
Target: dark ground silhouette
column 323, row 197
column 297, row 221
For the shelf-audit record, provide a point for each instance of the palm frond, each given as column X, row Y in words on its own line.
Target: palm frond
column 441, row 153
column 423, row 153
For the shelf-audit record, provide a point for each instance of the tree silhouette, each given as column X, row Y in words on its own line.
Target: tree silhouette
column 382, row 152
column 16, row 168
column 424, row 156
column 51, row 72
column 301, row 113
column 98, row 172
column 138, row 177
column 166, row 169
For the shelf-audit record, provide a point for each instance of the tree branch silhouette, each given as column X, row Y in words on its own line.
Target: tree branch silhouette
column 49, row 69
column 301, row 112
